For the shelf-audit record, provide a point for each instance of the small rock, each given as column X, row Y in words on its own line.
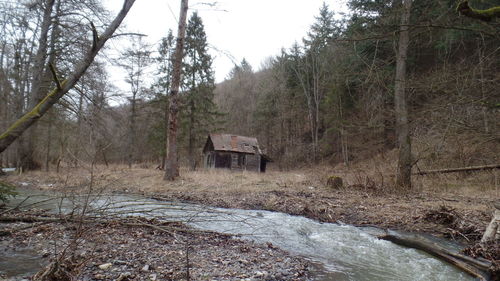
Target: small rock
column 105, row 266
column 259, row 274
column 99, row 276
column 145, row 268
column 124, row 276
column 152, row 277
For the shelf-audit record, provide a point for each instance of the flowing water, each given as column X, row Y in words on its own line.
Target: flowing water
column 339, row 252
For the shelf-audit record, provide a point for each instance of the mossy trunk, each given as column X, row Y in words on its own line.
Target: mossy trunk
column 32, row 116
column 484, row 15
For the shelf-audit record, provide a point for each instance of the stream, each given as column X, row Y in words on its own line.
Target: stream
column 338, row 252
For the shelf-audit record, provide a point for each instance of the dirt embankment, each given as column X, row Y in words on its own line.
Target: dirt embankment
column 455, row 218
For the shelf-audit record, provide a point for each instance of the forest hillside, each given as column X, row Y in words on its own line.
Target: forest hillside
column 327, row 99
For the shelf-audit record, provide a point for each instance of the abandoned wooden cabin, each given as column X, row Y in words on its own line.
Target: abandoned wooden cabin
column 234, row 152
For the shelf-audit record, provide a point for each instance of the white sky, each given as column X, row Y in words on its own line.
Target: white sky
column 236, row 29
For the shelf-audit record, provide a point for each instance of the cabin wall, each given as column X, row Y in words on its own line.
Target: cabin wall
column 232, row 160
column 209, row 159
column 253, row 162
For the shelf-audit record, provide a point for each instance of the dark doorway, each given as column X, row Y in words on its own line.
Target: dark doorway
column 263, row 164
column 223, row 161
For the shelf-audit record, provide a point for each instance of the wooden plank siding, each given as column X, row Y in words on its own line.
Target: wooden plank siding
column 234, row 152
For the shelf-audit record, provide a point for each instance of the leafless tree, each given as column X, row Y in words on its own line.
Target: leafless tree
column 172, row 163
column 135, row 61
column 403, row 177
column 63, row 86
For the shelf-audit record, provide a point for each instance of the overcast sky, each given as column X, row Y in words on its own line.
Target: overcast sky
column 236, row 29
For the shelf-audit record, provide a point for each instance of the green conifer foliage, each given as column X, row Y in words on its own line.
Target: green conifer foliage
column 199, row 114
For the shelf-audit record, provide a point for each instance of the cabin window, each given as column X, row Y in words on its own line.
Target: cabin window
column 241, row 160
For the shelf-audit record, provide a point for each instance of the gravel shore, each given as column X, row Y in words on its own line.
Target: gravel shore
column 116, row 252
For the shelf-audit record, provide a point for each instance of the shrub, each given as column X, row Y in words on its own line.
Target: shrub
column 6, row 191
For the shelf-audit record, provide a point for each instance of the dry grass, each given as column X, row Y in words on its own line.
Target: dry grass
column 372, row 174
column 148, row 180
column 379, row 172
column 366, row 198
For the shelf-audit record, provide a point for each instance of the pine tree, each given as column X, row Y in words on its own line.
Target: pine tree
column 161, row 88
column 164, row 62
column 322, row 30
column 199, row 113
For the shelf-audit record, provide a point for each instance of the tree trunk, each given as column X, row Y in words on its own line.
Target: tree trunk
column 172, row 165
column 403, row 178
column 192, row 160
column 49, row 143
column 467, row 264
column 47, row 75
column 131, row 137
column 28, row 161
column 484, row 15
column 493, row 228
column 457, row 170
column 79, row 123
column 30, row 118
column 165, row 134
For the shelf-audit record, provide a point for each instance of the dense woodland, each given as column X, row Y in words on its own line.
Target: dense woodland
column 327, row 99
column 389, row 87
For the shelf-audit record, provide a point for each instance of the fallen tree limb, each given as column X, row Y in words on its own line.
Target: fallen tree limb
column 491, row 232
column 467, row 264
column 12, row 231
column 462, row 169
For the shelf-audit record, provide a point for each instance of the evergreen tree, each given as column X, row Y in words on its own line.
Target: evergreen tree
column 164, row 65
column 238, row 70
column 199, row 114
column 323, row 30
column 157, row 137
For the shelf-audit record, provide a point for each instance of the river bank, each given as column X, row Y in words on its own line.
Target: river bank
column 455, row 213
column 117, row 250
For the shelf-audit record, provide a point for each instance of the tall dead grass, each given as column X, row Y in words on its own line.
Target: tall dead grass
column 376, row 173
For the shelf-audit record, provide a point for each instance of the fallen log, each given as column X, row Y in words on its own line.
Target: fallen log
column 475, row 268
column 491, row 232
column 455, row 170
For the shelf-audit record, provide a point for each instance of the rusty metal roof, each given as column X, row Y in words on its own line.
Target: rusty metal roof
column 227, row 142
